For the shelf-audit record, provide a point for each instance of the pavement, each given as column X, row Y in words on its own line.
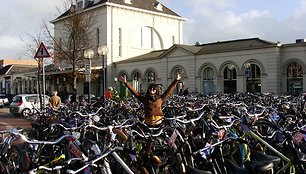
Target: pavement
column 5, row 110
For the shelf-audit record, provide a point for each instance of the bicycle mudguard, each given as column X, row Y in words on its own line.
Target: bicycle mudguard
column 259, row 166
column 191, row 170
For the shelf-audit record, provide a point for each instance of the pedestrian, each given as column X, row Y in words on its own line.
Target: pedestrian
column 152, row 100
column 108, row 93
column 54, row 101
column 73, row 98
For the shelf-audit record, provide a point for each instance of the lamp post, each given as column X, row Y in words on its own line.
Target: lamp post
column 88, row 54
column 102, row 51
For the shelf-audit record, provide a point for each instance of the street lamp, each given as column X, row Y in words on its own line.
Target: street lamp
column 102, row 51
column 88, row 54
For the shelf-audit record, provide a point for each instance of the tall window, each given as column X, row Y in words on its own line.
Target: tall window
column 294, row 78
column 98, row 36
column 136, row 81
column 294, row 70
column 208, row 80
column 179, row 86
column 208, row 73
column 173, row 40
column 230, row 79
column 253, row 81
column 120, row 42
column 151, row 77
column 136, row 76
column 229, row 73
column 146, row 38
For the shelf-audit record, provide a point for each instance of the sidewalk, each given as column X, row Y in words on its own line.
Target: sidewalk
column 5, row 110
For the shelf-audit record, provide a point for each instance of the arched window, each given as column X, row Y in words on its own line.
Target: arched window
column 230, row 79
column 146, row 38
column 136, row 76
column 151, row 77
column 294, row 78
column 180, row 85
column 253, row 77
column 229, row 73
column 208, row 80
column 137, row 81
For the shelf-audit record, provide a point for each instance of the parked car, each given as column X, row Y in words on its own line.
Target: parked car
column 3, row 100
column 23, row 104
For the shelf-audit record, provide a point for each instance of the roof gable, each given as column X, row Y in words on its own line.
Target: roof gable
column 5, row 69
column 19, row 69
column 149, row 56
column 189, row 48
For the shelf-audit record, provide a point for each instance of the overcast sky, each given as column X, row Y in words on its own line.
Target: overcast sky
column 206, row 20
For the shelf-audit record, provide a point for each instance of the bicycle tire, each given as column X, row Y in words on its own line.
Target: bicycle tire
column 15, row 164
column 264, row 127
column 3, row 168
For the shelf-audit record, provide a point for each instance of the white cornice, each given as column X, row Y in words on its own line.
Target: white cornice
column 144, row 11
column 123, row 7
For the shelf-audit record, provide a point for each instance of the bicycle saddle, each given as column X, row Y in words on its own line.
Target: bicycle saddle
column 233, row 168
column 191, row 170
column 259, row 156
column 258, row 166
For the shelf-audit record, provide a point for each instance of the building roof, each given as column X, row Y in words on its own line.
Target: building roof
column 215, row 47
column 5, row 70
column 153, row 55
column 235, row 45
column 17, row 69
column 158, row 54
column 4, row 62
column 149, row 5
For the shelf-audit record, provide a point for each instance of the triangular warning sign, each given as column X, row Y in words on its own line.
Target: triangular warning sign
column 42, row 51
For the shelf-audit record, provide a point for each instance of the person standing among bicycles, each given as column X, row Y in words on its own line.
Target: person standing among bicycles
column 54, row 101
column 152, row 100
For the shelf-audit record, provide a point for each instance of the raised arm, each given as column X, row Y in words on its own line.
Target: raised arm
column 170, row 89
column 122, row 78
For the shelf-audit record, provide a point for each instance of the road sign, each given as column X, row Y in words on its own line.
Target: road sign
column 88, row 71
column 42, row 52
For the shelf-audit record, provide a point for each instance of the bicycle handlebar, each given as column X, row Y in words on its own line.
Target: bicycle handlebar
column 87, row 115
column 15, row 132
column 34, row 171
column 215, row 125
column 187, row 121
column 196, row 109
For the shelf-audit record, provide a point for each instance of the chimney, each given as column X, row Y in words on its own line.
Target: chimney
column 300, row 40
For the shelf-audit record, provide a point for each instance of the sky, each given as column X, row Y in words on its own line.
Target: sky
column 206, row 21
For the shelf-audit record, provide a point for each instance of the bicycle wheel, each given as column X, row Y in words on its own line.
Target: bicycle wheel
column 171, row 163
column 265, row 127
column 3, row 168
column 171, row 155
column 185, row 149
column 14, row 161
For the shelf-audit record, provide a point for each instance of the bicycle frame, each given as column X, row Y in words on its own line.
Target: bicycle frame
column 111, row 151
column 282, row 156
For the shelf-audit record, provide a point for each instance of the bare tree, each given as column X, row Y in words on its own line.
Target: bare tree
column 73, row 31
column 32, row 43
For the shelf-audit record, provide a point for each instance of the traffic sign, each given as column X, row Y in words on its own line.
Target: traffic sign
column 88, row 71
column 42, row 52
